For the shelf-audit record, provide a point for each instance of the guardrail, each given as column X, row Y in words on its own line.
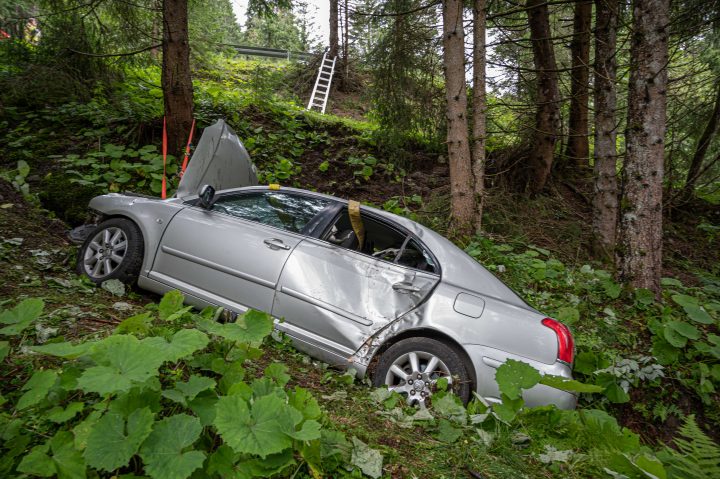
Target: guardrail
column 269, row 52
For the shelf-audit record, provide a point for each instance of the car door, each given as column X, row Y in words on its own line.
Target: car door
column 332, row 298
column 232, row 254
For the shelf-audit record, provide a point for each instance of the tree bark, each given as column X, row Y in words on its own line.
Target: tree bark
column 176, row 80
column 641, row 220
column 694, row 172
column 479, row 107
column 457, row 126
column 577, row 147
column 547, row 115
column 605, row 199
column 334, row 40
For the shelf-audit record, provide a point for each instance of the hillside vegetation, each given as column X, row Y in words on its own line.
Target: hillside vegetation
column 80, row 369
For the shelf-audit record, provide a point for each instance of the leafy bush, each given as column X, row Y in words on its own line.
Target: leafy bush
column 113, row 168
column 625, row 338
column 165, row 395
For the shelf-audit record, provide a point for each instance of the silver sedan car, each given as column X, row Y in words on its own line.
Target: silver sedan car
column 351, row 285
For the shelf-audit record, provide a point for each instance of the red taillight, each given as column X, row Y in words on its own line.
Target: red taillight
column 566, row 346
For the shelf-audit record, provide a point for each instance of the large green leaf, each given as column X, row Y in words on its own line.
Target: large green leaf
column 183, row 343
column 187, row 391
column 448, row 432
column 63, row 350
column 4, row 349
column 262, row 429
column 122, row 361
column 450, row 406
column 302, row 400
column 60, row 415
column 367, row 459
column 571, row 385
column 138, row 325
column 58, row 457
column 37, row 462
column 21, row 316
column 698, row 314
column 514, row 376
column 250, row 327
column 162, row 452
column 684, row 329
column 113, row 441
column 508, row 408
column 37, row 388
column 171, row 303
column 672, row 336
column 684, row 300
column 309, row 431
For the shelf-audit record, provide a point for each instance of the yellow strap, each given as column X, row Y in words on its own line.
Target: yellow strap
column 273, row 186
column 356, row 222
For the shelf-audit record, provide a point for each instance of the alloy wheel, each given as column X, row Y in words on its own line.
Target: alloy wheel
column 415, row 374
column 105, row 252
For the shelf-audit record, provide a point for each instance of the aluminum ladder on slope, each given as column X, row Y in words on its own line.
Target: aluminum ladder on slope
column 321, row 90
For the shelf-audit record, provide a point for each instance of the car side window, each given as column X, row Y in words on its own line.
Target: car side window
column 381, row 241
column 280, row 210
column 415, row 256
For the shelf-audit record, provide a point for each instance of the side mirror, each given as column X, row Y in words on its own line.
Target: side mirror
column 207, row 195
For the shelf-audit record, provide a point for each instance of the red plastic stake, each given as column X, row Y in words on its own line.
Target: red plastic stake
column 164, row 153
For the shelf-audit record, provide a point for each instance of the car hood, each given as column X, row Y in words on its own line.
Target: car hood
column 220, row 160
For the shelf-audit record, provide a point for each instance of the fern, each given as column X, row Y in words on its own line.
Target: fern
column 698, row 457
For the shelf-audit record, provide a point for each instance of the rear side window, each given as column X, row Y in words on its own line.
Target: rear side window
column 383, row 242
column 415, row 256
column 280, row 210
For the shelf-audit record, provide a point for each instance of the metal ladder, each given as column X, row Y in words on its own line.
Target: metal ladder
column 321, row 90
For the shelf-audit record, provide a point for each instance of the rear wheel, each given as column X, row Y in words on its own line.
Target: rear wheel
column 114, row 250
column 413, row 366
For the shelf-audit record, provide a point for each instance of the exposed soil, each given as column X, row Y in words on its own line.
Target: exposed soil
column 37, row 260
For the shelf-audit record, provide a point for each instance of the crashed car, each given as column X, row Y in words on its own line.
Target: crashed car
column 351, row 285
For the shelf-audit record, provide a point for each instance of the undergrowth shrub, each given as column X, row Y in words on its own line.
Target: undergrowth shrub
column 164, row 395
column 626, row 338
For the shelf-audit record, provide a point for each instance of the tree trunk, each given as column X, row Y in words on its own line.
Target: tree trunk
column 176, row 81
column 334, row 45
column 694, row 171
column 605, row 199
column 547, row 116
column 457, row 127
column 577, row 147
column 641, row 220
column 479, row 106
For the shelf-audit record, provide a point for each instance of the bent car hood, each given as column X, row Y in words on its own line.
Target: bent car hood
column 220, row 160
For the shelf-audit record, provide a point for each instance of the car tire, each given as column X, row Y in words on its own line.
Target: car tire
column 448, row 363
column 114, row 250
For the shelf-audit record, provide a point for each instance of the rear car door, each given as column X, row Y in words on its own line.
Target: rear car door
column 333, row 296
column 232, row 254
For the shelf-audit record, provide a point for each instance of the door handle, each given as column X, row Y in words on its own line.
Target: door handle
column 274, row 243
column 405, row 288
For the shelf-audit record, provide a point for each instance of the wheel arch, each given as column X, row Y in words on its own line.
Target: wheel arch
column 430, row 334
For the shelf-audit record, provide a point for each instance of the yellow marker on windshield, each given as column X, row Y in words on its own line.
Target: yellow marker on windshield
column 274, row 186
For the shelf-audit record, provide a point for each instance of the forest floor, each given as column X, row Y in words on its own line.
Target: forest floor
column 38, row 260
column 539, row 246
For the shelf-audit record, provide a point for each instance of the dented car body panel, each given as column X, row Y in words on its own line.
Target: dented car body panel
column 339, row 297
column 335, row 304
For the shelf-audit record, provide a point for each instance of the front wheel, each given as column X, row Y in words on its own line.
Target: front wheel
column 412, row 367
column 114, row 250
